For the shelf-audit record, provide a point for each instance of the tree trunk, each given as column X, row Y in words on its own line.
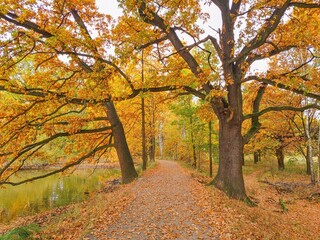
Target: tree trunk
column 309, row 149
column 256, row 157
column 128, row 171
column 319, row 154
column 229, row 177
column 280, row 157
column 143, row 121
column 210, row 149
column 160, row 137
column 143, row 133
column 194, row 164
column 199, row 160
column 152, row 148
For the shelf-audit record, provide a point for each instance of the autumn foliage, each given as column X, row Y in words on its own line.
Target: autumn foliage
column 66, row 68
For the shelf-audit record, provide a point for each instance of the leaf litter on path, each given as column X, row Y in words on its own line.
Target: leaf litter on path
column 164, row 207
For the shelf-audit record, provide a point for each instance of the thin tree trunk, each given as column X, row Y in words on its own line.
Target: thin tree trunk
column 194, row 164
column 280, row 157
column 199, row 160
column 318, row 178
column 128, row 171
column 143, row 133
column 256, row 156
column 210, row 149
column 309, row 150
column 152, row 148
column 160, row 137
column 143, row 121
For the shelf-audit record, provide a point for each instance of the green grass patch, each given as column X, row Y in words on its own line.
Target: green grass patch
column 21, row 233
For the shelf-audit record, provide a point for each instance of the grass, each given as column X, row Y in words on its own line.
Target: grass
column 21, row 233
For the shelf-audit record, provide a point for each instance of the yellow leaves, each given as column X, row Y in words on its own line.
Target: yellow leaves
column 205, row 113
column 75, row 124
column 216, row 93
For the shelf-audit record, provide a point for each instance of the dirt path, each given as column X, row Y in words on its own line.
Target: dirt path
column 165, row 207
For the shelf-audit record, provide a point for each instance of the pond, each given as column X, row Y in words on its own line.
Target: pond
column 51, row 192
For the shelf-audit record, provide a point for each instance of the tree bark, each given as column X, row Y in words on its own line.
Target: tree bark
column 309, row 159
column 210, row 148
column 256, row 157
column 318, row 177
column 143, row 121
column 194, row 154
column 229, row 177
column 160, row 138
column 280, row 157
column 128, row 171
column 152, row 148
column 231, row 142
column 143, row 133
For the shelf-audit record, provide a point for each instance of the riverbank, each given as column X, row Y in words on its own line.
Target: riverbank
column 46, row 166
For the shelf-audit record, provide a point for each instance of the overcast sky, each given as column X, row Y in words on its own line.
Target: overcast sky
column 109, row 7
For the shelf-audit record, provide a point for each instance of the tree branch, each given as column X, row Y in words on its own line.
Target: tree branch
column 255, row 124
column 282, row 108
column 156, row 41
column 47, row 140
column 96, row 149
column 11, row 17
column 262, row 35
column 305, row 5
column 282, row 86
column 255, row 57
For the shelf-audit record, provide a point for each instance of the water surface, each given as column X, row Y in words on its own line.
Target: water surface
column 50, row 192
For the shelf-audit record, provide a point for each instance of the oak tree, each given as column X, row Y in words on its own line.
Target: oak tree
column 59, row 82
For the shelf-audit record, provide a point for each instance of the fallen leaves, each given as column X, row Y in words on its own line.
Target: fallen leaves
column 169, row 202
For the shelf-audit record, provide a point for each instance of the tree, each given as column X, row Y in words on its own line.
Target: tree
column 62, row 82
column 263, row 34
column 276, row 127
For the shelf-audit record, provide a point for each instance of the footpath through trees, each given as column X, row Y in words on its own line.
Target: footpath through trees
column 165, row 207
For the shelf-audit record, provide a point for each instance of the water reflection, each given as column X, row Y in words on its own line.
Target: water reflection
column 50, row 192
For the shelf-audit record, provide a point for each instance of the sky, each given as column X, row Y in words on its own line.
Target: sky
column 109, row 7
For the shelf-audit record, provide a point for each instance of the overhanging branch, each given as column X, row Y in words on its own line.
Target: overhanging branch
column 282, row 108
column 282, row 86
column 95, row 150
